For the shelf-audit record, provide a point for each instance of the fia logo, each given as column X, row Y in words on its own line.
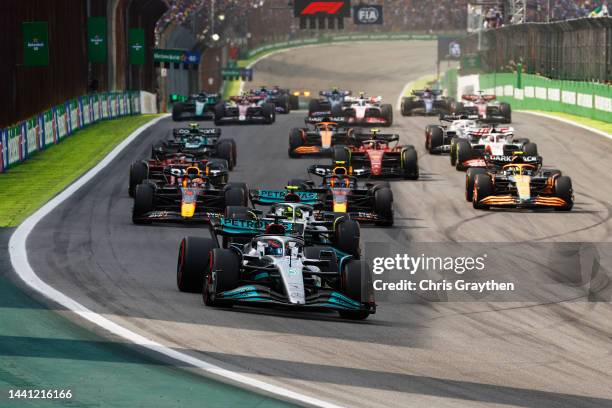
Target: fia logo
column 368, row 15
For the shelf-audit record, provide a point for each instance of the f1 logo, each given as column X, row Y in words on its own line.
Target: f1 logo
column 327, row 7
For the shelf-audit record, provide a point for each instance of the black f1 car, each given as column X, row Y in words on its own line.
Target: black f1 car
column 282, row 99
column 246, row 109
column 338, row 192
column 197, row 107
column 198, row 142
column 518, row 181
column 273, row 268
column 319, row 139
column 186, row 195
column 425, row 102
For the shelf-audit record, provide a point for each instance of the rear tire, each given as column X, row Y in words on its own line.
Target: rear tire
column 383, row 206
column 347, row 236
column 436, row 139
column 341, row 154
column 236, row 194
column 177, row 110
column 313, row 106
column 219, row 114
column 192, row 264
column 464, row 153
column 387, row 113
column 410, row 164
column 506, row 112
column 144, row 196
column 269, row 111
column 225, row 150
column 139, row 171
column 530, row 149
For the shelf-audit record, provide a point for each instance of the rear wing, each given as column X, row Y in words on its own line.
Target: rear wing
column 382, row 137
column 421, row 92
column 314, row 119
column 266, row 197
column 453, row 117
column 516, row 158
column 232, row 227
column 326, row 170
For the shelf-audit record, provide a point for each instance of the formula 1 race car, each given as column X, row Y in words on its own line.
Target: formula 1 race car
column 425, row 102
column 245, row 109
column 364, row 111
column 160, row 170
column 518, row 181
column 338, row 192
column 485, row 106
column 314, row 226
column 273, row 268
column 198, row 142
column 319, row 138
column 327, row 100
column 282, row 99
column 491, row 140
column 187, row 195
column 373, row 156
column 198, row 107
column 438, row 137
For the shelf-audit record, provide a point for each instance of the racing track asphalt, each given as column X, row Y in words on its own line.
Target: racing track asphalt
column 408, row 354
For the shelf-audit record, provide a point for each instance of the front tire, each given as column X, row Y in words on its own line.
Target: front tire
column 483, row 187
column 564, row 190
column 139, row 172
column 224, row 275
column 144, row 197
column 354, row 286
column 410, row 164
column 383, row 206
column 192, row 263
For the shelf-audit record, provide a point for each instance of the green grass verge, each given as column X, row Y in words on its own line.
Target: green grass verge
column 27, row 186
column 595, row 124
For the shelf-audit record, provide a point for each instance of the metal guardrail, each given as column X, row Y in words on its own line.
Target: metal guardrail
column 578, row 49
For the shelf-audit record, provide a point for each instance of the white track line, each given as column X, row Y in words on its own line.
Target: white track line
column 569, row 122
column 19, row 260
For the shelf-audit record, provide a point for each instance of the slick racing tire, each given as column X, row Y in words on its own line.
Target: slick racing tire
column 453, row 151
column 483, row 187
column 383, row 206
column 407, row 106
column 224, row 275
column 219, row 113
column 530, row 149
column 226, row 150
column 464, row 153
column 294, row 102
column 269, row 111
column 236, row 194
column 313, row 106
column 144, row 196
column 506, row 112
column 341, row 154
column 295, row 141
column 284, row 103
column 563, row 189
column 347, row 236
column 352, row 285
column 470, row 178
column 436, row 139
column 177, row 111
column 139, row 171
column 387, row 114
column 192, row 263
column 410, row 164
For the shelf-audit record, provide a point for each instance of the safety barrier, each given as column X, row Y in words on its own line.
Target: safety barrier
column 533, row 92
column 337, row 38
column 19, row 142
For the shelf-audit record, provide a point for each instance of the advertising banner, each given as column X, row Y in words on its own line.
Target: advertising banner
column 33, row 135
column 311, row 8
column 35, row 43
column 137, row 46
column 2, row 144
column 368, row 14
column 96, row 39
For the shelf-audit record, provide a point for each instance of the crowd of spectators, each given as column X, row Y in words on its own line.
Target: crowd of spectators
column 537, row 11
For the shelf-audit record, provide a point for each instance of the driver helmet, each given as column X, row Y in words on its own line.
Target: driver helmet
column 273, row 247
column 194, row 125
